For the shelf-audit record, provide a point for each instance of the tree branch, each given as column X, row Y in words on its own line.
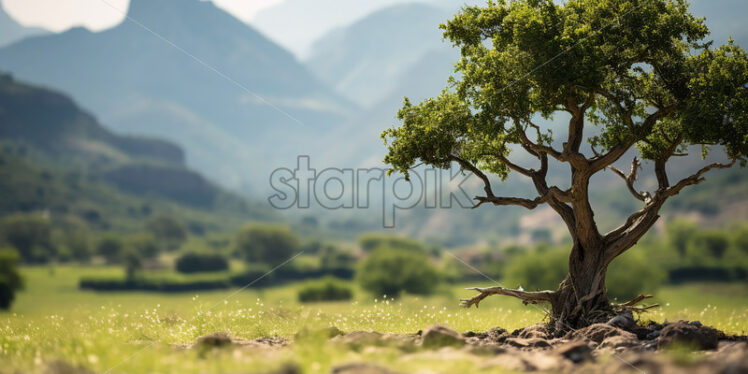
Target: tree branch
column 526, row 297
column 695, row 178
column 535, row 147
column 630, row 178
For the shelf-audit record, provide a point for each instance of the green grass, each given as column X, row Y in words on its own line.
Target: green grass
column 53, row 320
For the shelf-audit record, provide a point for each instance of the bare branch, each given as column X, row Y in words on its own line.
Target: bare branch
column 630, row 178
column 526, row 297
column 695, row 178
column 498, row 201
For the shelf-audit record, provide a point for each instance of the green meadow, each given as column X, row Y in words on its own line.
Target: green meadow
column 136, row 332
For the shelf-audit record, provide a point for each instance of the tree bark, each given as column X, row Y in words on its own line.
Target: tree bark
column 581, row 298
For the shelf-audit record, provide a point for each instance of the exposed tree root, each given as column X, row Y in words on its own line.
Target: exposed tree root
column 526, row 297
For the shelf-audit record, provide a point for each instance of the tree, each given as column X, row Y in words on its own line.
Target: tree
column 133, row 263
column 389, row 271
column 111, row 248
column 638, row 71
column 30, row 235
column 267, row 244
column 168, row 231
column 10, row 279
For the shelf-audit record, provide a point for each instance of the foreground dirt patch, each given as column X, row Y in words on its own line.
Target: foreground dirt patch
column 617, row 346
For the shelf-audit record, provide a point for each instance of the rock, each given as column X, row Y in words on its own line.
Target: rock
column 488, row 349
column 359, row 339
column 695, row 323
column 599, row 332
column 511, row 361
column 623, row 321
column 527, row 343
column 576, row 351
column 326, row 332
column 685, row 334
column 215, row 340
column 437, row 336
column 620, row 341
column 361, row 368
column 653, row 335
column 405, row 342
column 535, row 331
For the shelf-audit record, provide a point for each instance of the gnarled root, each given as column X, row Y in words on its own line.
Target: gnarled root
column 526, row 297
column 631, row 305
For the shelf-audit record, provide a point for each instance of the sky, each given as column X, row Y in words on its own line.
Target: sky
column 295, row 24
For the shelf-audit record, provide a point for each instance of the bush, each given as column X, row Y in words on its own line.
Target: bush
column 111, row 248
column 327, row 289
column 267, row 244
column 168, row 231
column 144, row 244
column 538, row 269
column 632, row 274
column 10, row 279
column 194, row 262
column 389, row 271
column 30, row 235
column 155, row 285
column 369, row 242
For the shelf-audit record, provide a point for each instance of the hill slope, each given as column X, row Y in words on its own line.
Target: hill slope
column 57, row 157
column 227, row 100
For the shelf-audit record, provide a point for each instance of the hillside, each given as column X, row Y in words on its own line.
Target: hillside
column 227, row 106
column 56, row 157
column 366, row 60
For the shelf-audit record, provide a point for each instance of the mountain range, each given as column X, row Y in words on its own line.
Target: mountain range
column 56, row 157
column 188, row 71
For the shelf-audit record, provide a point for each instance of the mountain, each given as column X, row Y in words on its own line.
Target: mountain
column 53, row 147
column 12, row 31
column 366, row 60
column 187, row 71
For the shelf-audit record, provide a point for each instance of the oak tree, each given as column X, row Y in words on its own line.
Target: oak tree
column 641, row 73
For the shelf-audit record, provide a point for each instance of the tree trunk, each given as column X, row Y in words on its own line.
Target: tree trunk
column 581, row 298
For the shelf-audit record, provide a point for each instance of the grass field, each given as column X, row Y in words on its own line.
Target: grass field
column 136, row 332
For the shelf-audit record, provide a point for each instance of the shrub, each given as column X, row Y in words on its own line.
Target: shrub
column 133, row 264
column 267, row 244
column 10, row 279
column 632, row 274
column 144, row 244
column 369, row 242
column 167, row 231
column 156, row 285
column 193, row 262
column 537, row 269
column 389, row 271
column 111, row 248
column 30, row 235
column 327, row 289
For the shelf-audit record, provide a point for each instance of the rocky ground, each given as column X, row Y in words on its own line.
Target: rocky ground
column 621, row 345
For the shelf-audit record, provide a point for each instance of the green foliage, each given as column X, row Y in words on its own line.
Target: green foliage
column 529, row 58
column 538, row 269
column 167, row 231
column 10, row 278
column 144, row 244
column 111, row 248
column 326, row 289
column 30, row 235
column 133, row 263
column 267, row 244
column 371, row 241
column 388, row 271
column 194, row 262
column 632, row 274
column 331, row 257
